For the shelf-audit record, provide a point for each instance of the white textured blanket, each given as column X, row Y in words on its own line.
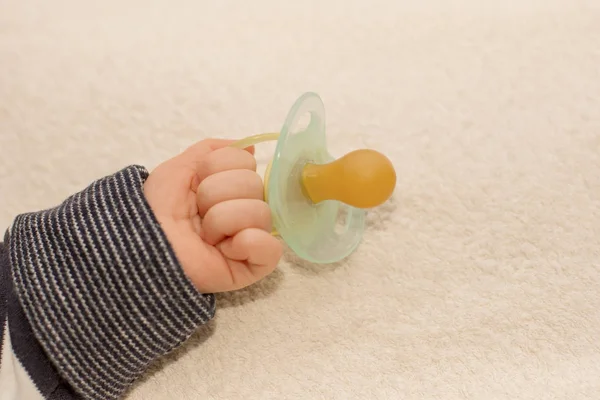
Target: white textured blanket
column 480, row 279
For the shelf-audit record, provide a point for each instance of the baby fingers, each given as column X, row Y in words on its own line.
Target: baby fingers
column 228, row 185
column 227, row 218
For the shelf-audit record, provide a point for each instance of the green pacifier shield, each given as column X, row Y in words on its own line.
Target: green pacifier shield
column 321, row 233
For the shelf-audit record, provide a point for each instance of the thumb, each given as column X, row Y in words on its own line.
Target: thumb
column 252, row 254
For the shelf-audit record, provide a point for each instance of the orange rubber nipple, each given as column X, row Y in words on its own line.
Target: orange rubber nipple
column 362, row 179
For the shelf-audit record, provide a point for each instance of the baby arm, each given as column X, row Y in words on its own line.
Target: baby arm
column 96, row 289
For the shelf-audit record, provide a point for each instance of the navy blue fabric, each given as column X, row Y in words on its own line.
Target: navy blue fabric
column 25, row 346
column 4, row 281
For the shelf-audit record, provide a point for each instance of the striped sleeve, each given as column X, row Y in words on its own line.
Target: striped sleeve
column 100, row 288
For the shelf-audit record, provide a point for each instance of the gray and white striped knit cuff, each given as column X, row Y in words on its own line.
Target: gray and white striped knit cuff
column 101, row 286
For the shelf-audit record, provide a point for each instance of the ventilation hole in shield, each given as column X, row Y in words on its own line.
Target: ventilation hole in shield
column 302, row 123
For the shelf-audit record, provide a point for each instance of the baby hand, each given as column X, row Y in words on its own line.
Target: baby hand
column 209, row 202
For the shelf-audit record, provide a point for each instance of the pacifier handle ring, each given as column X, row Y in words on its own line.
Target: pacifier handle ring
column 255, row 139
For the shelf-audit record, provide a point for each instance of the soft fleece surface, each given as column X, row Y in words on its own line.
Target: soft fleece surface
column 480, row 279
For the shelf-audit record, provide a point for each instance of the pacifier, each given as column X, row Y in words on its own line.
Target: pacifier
column 318, row 203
